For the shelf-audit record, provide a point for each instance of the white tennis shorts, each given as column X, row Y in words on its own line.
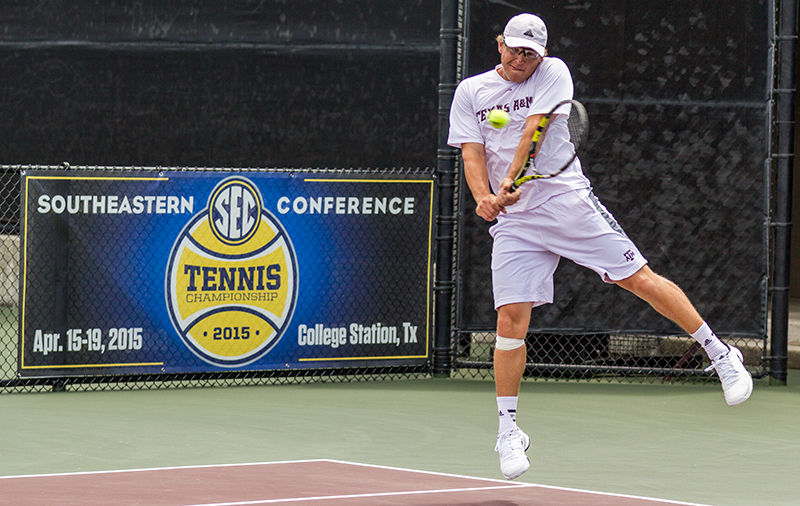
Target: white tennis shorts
column 575, row 225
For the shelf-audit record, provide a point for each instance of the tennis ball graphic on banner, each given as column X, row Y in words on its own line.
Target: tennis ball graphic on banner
column 231, row 282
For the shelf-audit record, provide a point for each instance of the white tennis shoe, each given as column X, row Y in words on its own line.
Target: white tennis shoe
column 511, row 446
column 737, row 383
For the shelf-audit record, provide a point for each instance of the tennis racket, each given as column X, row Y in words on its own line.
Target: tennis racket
column 577, row 124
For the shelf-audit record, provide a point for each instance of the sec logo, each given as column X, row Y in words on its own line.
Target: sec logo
column 231, row 283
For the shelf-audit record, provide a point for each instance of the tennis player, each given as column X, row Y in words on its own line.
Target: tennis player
column 545, row 220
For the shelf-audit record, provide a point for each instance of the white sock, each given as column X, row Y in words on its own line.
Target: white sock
column 710, row 342
column 507, row 412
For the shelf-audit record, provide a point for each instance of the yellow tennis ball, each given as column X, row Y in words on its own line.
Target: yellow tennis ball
column 498, row 118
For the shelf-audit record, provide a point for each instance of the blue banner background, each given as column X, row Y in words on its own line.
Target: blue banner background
column 108, row 271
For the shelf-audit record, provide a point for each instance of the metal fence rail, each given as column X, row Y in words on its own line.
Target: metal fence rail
column 604, row 356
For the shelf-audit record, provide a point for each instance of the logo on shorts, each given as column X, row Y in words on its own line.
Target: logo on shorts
column 231, row 282
column 630, row 255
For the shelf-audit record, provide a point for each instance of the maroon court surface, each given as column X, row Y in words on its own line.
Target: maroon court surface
column 309, row 482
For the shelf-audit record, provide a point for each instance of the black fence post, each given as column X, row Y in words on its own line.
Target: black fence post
column 446, row 170
column 785, row 88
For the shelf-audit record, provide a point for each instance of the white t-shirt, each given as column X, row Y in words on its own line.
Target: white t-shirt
column 550, row 83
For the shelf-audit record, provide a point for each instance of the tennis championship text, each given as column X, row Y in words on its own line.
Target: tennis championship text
column 232, row 284
column 356, row 334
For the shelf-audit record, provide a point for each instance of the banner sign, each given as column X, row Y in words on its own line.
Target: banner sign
column 197, row 271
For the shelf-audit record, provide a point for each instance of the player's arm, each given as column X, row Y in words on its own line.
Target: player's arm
column 520, row 159
column 477, row 175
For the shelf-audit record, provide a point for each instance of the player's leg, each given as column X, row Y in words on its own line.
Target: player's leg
column 665, row 296
column 670, row 301
column 522, row 276
column 586, row 233
column 509, row 365
column 509, row 354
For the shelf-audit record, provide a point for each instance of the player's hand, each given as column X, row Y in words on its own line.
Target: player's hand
column 489, row 207
column 506, row 197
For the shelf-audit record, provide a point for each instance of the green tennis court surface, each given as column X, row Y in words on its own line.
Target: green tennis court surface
column 673, row 442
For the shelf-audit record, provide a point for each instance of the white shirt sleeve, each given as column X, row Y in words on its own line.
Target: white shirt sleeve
column 464, row 126
column 553, row 85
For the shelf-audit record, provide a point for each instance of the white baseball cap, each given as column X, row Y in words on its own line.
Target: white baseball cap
column 526, row 30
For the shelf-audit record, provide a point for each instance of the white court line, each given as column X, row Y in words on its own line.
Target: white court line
column 355, row 496
column 506, row 484
column 171, row 468
column 522, row 484
column 612, row 494
column 434, row 473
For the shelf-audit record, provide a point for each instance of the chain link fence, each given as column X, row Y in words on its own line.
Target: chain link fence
column 684, row 189
column 679, row 152
column 604, row 357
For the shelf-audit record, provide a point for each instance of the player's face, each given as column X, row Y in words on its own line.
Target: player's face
column 518, row 62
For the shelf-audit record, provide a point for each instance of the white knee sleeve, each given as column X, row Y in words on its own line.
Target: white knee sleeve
column 508, row 344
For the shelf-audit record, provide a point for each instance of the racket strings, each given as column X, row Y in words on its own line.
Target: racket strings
column 578, row 125
column 577, row 128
